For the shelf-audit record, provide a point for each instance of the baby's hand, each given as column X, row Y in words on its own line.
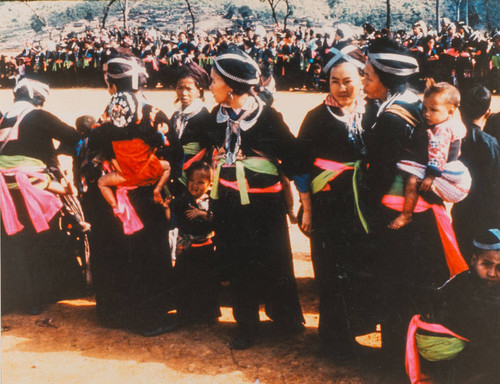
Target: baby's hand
column 193, row 213
column 426, row 184
column 157, row 197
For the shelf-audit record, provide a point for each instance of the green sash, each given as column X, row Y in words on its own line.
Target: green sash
column 191, row 148
column 16, row 161
column 255, row 164
column 320, row 181
column 437, row 348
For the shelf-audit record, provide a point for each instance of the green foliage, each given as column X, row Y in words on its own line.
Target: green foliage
column 36, row 24
column 230, row 11
column 88, row 10
column 245, row 11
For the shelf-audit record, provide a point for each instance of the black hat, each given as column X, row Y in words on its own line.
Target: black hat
column 488, row 240
column 237, row 66
column 126, row 67
column 389, row 57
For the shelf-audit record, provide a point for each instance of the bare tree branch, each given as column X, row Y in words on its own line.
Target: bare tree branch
column 288, row 13
column 43, row 21
column 191, row 13
column 106, row 12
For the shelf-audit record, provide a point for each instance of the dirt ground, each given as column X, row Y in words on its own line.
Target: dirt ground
column 66, row 344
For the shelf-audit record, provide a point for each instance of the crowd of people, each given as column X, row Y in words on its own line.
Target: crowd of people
column 179, row 205
column 455, row 54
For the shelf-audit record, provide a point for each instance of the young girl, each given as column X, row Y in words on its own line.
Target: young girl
column 197, row 299
column 459, row 341
column 444, row 174
column 190, row 119
column 135, row 161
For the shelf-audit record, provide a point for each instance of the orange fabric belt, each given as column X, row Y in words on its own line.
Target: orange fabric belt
column 454, row 258
column 196, row 157
column 208, row 242
column 234, row 185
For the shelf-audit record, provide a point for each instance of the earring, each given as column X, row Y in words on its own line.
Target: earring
column 230, row 95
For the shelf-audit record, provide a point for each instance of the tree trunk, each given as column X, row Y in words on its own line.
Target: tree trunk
column 388, row 23
column 192, row 14
column 43, row 21
column 458, row 10
column 126, row 10
column 467, row 12
column 106, row 12
column 273, row 10
column 287, row 14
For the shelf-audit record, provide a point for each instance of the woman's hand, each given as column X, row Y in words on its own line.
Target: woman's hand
column 305, row 199
column 292, row 216
column 306, row 222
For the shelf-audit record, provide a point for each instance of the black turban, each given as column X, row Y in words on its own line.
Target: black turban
column 236, row 66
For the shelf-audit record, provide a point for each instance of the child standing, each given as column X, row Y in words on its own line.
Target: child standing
column 197, row 282
column 444, row 174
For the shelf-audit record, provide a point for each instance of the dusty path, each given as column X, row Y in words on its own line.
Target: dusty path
column 67, row 345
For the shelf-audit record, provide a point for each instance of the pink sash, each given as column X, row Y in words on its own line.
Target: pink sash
column 131, row 222
column 41, row 205
column 412, row 360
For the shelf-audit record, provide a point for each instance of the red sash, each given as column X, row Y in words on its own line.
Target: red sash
column 454, row 259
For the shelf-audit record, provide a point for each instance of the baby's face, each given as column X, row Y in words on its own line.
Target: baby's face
column 487, row 267
column 436, row 110
column 198, row 183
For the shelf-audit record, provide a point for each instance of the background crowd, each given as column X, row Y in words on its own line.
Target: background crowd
column 228, row 194
column 454, row 53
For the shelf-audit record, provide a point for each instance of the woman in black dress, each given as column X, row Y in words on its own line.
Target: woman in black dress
column 36, row 267
column 334, row 150
column 131, row 267
column 249, row 206
column 191, row 120
column 412, row 260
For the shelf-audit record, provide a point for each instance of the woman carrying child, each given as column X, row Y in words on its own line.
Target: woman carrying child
column 249, row 204
column 135, row 162
column 412, row 259
column 131, row 263
column 444, row 174
column 334, row 150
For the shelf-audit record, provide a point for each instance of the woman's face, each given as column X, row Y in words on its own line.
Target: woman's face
column 220, row 90
column 345, row 84
column 373, row 87
column 187, row 91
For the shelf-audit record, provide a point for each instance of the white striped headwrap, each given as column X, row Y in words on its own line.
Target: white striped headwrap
column 134, row 71
column 244, row 58
column 34, row 88
column 395, row 57
column 343, row 54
